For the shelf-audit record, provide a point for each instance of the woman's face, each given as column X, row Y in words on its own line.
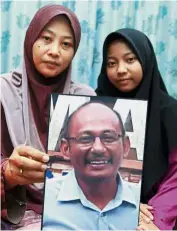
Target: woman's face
column 123, row 69
column 54, row 48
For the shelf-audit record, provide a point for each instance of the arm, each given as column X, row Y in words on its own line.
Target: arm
column 164, row 203
column 13, row 202
column 13, row 190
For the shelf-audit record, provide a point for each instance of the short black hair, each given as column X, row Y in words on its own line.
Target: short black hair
column 69, row 119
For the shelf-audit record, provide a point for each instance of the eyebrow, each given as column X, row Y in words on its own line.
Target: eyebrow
column 126, row 54
column 90, row 132
column 51, row 32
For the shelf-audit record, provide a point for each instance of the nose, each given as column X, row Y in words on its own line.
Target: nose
column 98, row 147
column 121, row 68
column 54, row 49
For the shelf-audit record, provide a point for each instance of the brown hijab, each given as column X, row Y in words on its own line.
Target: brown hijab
column 39, row 87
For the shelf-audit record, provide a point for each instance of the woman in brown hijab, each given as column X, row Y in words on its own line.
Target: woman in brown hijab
column 50, row 44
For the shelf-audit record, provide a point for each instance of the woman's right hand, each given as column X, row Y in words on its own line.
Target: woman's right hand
column 26, row 165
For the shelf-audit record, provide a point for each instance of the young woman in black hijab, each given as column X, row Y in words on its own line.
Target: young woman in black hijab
column 130, row 70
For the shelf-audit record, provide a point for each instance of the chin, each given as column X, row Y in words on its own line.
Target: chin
column 49, row 75
column 128, row 89
column 95, row 176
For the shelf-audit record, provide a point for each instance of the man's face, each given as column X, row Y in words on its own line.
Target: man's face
column 101, row 158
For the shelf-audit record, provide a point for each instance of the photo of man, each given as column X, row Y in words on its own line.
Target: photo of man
column 93, row 194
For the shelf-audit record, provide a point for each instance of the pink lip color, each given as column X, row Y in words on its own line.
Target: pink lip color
column 124, row 81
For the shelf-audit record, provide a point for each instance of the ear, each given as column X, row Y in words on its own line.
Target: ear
column 126, row 146
column 64, row 148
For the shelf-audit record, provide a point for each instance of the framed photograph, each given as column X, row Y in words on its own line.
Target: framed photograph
column 96, row 147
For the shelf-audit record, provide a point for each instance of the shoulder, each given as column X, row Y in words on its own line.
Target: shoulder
column 13, row 78
column 11, row 87
column 168, row 108
column 81, row 89
column 5, row 77
column 168, row 116
column 167, row 101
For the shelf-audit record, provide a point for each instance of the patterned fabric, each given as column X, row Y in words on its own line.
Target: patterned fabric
column 98, row 19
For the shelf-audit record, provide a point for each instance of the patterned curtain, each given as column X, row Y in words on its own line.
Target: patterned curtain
column 157, row 19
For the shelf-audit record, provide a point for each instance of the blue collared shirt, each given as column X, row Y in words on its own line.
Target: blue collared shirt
column 67, row 208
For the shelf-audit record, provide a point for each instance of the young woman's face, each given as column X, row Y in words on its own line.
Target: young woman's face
column 54, row 48
column 123, row 69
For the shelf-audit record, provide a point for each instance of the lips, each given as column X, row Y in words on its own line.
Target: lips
column 124, row 80
column 52, row 63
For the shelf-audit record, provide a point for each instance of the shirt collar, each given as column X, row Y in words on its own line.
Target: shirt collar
column 125, row 192
column 70, row 190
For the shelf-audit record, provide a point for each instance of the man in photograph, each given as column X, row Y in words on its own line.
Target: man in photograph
column 93, row 196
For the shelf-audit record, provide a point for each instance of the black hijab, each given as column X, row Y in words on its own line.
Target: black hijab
column 160, row 139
